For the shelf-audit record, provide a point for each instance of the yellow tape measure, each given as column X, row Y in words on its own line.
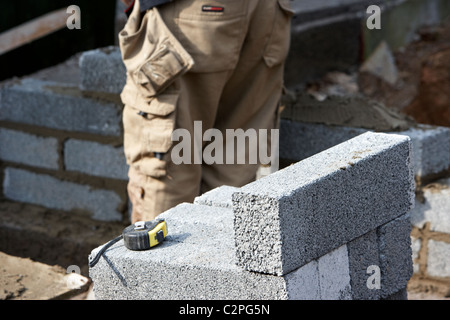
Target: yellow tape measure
column 139, row 236
column 145, row 235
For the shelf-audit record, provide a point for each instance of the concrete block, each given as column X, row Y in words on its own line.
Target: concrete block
column 197, row 261
column 179, row 271
column 202, row 222
column 394, row 242
column 334, row 275
column 309, row 10
column 326, row 278
column 28, row 149
column 433, row 207
column 57, row 106
column 331, row 43
column 362, row 254
column 430, row 145
column 300, row 213
column 300, row 140
column 102, row 70
column 95, row 159
column 438, row 264
column 218, row 197
column 24, row 186
column 304, row 283
column 399, row 295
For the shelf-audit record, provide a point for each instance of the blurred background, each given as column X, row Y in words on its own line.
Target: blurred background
column 98, row 30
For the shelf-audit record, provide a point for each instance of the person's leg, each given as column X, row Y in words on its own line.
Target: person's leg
column 229, row 87
column 158, row 184
column 250, row 99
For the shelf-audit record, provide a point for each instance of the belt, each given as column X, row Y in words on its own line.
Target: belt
column 146, row 5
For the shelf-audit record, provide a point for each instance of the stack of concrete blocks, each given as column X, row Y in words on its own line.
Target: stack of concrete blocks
column 61, row 142
column 330, row 227
column 326, row 36
column 431, row 164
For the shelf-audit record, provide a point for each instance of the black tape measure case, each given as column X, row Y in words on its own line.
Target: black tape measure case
column 144, row 235
column 139, row 236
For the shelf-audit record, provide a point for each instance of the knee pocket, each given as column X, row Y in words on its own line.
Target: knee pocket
column 148, row 127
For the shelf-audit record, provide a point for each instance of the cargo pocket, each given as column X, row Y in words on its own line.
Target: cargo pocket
column 152, row 56
column 159, row 71
column 148, row 128
column 212, row 32
column 277, row 47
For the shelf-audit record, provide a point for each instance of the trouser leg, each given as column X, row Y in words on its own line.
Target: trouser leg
column 234, row 96
column 250, row 99
column 152, row 194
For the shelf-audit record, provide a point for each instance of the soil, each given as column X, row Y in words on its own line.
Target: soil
column 25, row 279
column 422, row 90
column 39, row 246
column 52, row 237
column 419, row 94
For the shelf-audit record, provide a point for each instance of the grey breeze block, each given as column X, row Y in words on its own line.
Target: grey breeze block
column 58, row 106
column 45, row 190
column 287, row 219
column 198, row 261
column 102, row 70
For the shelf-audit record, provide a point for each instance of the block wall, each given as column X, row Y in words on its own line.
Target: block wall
column 61, row 146
column 292, row 235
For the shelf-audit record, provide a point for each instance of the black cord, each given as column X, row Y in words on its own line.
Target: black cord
column 93, row 261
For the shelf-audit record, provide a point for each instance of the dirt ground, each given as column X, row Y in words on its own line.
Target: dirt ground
column 39, row 246
column 25, row 279
column 422, row 90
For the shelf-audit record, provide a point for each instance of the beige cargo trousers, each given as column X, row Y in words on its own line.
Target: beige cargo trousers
column 216, row 61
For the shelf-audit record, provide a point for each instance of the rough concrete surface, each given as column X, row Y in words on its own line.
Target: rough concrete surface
column 205, row 270
column 25, row 186
column 197, row 261
column 292, row 206
column 350, row 110
column 433, row 207
column 395, row 254
column 218, row 197
column 58, row 106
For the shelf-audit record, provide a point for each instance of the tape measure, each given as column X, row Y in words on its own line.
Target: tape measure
column 137, row 237
column 145, row 235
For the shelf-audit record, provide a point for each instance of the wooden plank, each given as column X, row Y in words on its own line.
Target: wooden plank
column 32, row 30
